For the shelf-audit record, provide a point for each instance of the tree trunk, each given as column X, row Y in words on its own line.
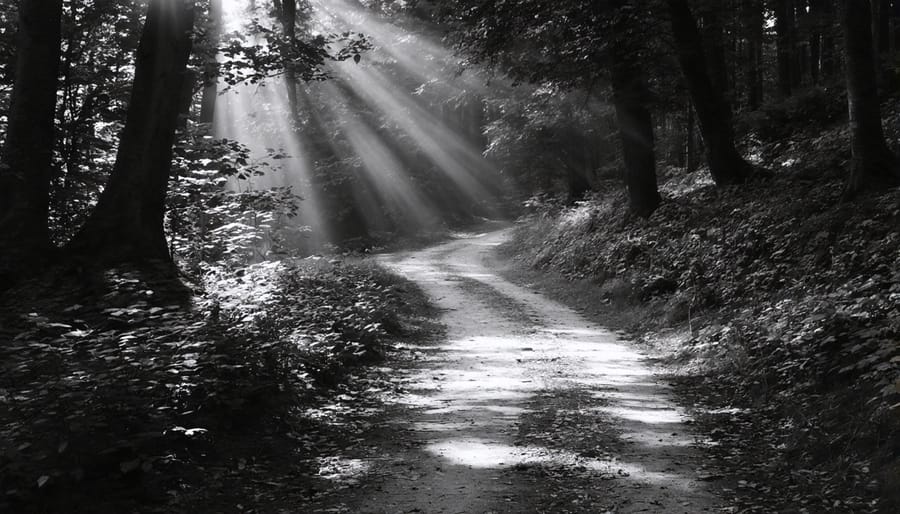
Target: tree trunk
column 802, row 26
column 829, row 56
column 754, row 24
column 873, row 166
column 713, row 112
column 127, row 224
column 815, row 40
column 27, row 155
column 895, row 27
column 577, row 184
column 884, row 30
column 784, row 36
column 691, row 148
column 712, row 35
column 630, row 98
column 288, row 15
column 211, row 89
column 186, row 98
column 875, row 18
column 636, row 133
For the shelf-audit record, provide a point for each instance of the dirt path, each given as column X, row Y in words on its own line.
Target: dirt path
column 525, row 407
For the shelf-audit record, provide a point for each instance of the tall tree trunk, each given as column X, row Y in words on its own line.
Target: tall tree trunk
column 713, row 34
column 630, row 101
column 815, row 40
column 577, row 170
column 754, row 24
column 713, row 112
column 691, row 143
column 875, row 15
column 895, row 27
column 829, row 55
column 127, row 224
column 211, row 89
column 26, row 163
column 803, row 28
column 784, row 35
column 884, row 27
column 873, row 166
column 635, row 132
column 287, row 10
column 577, row 184
column 186, row 98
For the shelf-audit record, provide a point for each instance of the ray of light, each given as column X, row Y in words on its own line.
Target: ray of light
column 417, row 56
column 254, row 115
column 383, row 170
column 457, row 159
column 384, row 190
column 416, row 53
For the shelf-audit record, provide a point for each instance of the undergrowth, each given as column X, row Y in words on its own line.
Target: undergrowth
column 122, row 393
column 787, row 302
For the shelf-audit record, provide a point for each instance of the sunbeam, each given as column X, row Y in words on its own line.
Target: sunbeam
column 256, row 116
column 382, row 168
column 386, row 143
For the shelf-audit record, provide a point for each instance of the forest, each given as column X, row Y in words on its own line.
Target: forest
column 450, row 256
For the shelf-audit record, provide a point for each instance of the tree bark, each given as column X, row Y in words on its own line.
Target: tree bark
column 784, row 37
column 713, row 112
column 186, row 98
column 211, row 89
column 815, row 40
column 829, row 56
column 882, row 26
column 873, row 165
column 691, row 149
column 127, row 224
column 635, row 132
column 712, row 39
column 754, row 23
column 27, row 154
column 895, row 27
column 287, row 10
column 803, row 28
column 622, row 59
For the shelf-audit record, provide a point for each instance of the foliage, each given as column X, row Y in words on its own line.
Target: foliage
column 99, row 40
column 330, row 314
column 544, row 137
column 212, row 224
column 260, row 51
column 113, row 384
column 815, row 107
